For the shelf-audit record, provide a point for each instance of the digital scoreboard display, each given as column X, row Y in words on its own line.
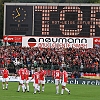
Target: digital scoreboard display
column 66, row 20
column 52, row 19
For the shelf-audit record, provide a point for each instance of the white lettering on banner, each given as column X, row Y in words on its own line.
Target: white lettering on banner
column 7, row 38
column 61, row 45
column 70, row 81
column 97, row 40
column 52, row 81
column 88, row 82
column 97, row 82
column 83, row 82
column 79, row 45
column 92, row 83
column 54, row 45
column 76, row 82
column 48, row 81
column 59, row 42
column 11, row 38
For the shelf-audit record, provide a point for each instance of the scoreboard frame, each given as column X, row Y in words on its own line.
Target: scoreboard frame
column 58, row 19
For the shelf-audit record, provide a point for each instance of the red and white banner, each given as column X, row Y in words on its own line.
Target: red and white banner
column 96, row 42
column 12, row 38
column 57, row 42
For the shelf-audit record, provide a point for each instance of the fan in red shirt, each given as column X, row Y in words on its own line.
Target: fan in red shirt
column 5, row 76
column 35, row 76
column 26, row 78
column 64, row 80
column 57, row 77
column 42, row 78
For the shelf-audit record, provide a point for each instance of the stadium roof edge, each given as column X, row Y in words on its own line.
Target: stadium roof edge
column 55, row 4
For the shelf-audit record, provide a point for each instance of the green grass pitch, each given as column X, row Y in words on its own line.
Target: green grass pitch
column 78, row 92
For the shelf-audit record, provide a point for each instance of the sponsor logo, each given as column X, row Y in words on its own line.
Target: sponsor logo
column 18, row 39
column 7, row 38
column 64, row 40
column 96, row 40
column 32, row 42
column 12, row 38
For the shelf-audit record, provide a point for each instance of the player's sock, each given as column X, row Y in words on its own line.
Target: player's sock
column 57, row 89
column 19, row 88
column 23, row 88
column 62, row 91
column 34, row 90
column 6, row 86
column 39, row 88
column 66, row 89
column 27, row 87
column 42, row 88
column 3, row 86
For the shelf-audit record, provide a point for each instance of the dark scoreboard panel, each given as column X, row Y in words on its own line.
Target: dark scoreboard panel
column 19, row 20
column 52, row 19
column 66, row 20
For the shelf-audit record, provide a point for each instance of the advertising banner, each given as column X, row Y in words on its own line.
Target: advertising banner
column 96, row 42
column 12, row 38
column 70, row 80
column 57, row 42
column 77, row 81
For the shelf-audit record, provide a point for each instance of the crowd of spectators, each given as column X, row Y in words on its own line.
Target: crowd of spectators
column 75, row 60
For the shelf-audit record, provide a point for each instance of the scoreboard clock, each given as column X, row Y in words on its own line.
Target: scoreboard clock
column 19, row 14
column 18, row 20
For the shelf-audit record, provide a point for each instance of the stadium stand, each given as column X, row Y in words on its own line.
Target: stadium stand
column 75, row 60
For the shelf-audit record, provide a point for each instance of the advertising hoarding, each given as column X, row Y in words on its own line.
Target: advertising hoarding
column 57, row 42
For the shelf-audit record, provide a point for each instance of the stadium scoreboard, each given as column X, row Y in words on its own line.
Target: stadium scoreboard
column 50, row 19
